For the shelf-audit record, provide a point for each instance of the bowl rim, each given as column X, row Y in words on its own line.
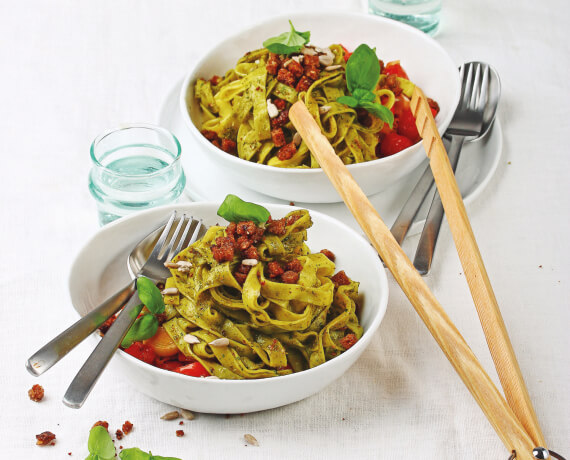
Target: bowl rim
column 191, row 76
column 356, row 349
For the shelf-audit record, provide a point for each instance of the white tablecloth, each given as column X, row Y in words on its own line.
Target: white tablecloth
column 73, row 69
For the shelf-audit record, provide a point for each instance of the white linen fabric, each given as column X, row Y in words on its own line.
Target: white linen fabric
column 73, row 69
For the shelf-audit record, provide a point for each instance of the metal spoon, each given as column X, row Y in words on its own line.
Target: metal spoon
column 428, row 239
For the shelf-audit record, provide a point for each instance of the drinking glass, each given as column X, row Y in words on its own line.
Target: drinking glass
column 135, row 167
column 421, row 14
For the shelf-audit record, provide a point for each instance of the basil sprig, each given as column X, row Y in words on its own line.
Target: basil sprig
column 135, row 453
column 287, row 42
column 100, row 444
column 146, row 326
column 362, row 74
column 101, row 447
column 234, row 209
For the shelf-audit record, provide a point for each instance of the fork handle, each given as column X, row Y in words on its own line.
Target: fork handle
column 57, row 348
column 430, row 233
column 88, row 375
column 411, row 207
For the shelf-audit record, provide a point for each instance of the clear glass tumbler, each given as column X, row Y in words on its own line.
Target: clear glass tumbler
column 421, row 14
column 135, row 167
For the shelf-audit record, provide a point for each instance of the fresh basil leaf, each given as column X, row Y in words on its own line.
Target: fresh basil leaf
column 380, row 111
column 364, row 95
column 158, row 457
column 362, row 69
column 100, row 444
column 287, row 42
column 150, row 295
column 143, row 328
column 234, row 209
column 348, row 100
column 135, row 453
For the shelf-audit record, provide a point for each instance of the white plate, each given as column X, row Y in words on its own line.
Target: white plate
column 100, row 269
column 206, row 182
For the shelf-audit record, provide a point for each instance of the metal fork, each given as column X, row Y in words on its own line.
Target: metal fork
column 165, row 248
column 467, row 121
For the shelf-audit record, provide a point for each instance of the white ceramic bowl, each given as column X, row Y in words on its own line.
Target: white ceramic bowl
column 100, row 269
column 425, row 61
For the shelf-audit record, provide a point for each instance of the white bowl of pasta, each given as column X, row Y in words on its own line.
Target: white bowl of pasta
column 99, row 270
column 244, row 140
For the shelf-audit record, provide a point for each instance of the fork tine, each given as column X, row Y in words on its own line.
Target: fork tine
column 180, row 245
column 167, row 250
column 466, row 87
column 160, row 243
column 483, row 89
column 196, row 232
column 474, row 89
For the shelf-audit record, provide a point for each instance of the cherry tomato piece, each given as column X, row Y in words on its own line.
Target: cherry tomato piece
column 395, row 69
column 168, row 364
column 162, row 344
column 142, row 352
column 346, row 55
column 407, row 126
column 193, row 370
column 185, row 359
column 393, row 143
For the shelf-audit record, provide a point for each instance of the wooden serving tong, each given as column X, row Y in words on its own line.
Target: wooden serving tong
column 515, row 422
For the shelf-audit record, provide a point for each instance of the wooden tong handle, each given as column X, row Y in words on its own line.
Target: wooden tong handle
column 487, row 307
column 426, row 305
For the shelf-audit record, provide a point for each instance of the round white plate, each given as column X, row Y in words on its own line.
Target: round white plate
column 206, row 182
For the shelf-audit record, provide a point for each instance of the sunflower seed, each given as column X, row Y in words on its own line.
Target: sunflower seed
column 297, row 139
column 308, row 51
column 183, row 269
column 272, row 109
column 185, row 263
column 324, row 109
column 299, row 58
column 333, row 67
column 221, row 342
column 326, row 60
column 171, row 265
column 187, row 414
column 171, row 415
column 250, row 262
column 170, row 291
column 250, row 440
column 191, row 339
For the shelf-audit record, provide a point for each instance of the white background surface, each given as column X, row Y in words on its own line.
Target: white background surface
column 73, row 69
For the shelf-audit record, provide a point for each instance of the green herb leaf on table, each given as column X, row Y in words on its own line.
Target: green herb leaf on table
column 234, row 209
column 362, row 75
column 150, row 295
column 100, row 444
column 287, row 42
column 143, row 328
column 136, row 454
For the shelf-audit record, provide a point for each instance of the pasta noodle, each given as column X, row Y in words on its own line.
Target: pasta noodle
column 274, row 327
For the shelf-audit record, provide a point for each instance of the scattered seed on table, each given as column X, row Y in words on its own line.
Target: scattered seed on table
column 250, row 440
column 171, row 415
column 187, row 414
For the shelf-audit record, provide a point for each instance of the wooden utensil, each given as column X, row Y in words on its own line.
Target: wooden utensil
column 498, row 412
column 486, row 304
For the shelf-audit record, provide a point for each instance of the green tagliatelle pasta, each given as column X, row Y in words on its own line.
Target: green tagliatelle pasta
column 235, row 108
column 274, row 328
